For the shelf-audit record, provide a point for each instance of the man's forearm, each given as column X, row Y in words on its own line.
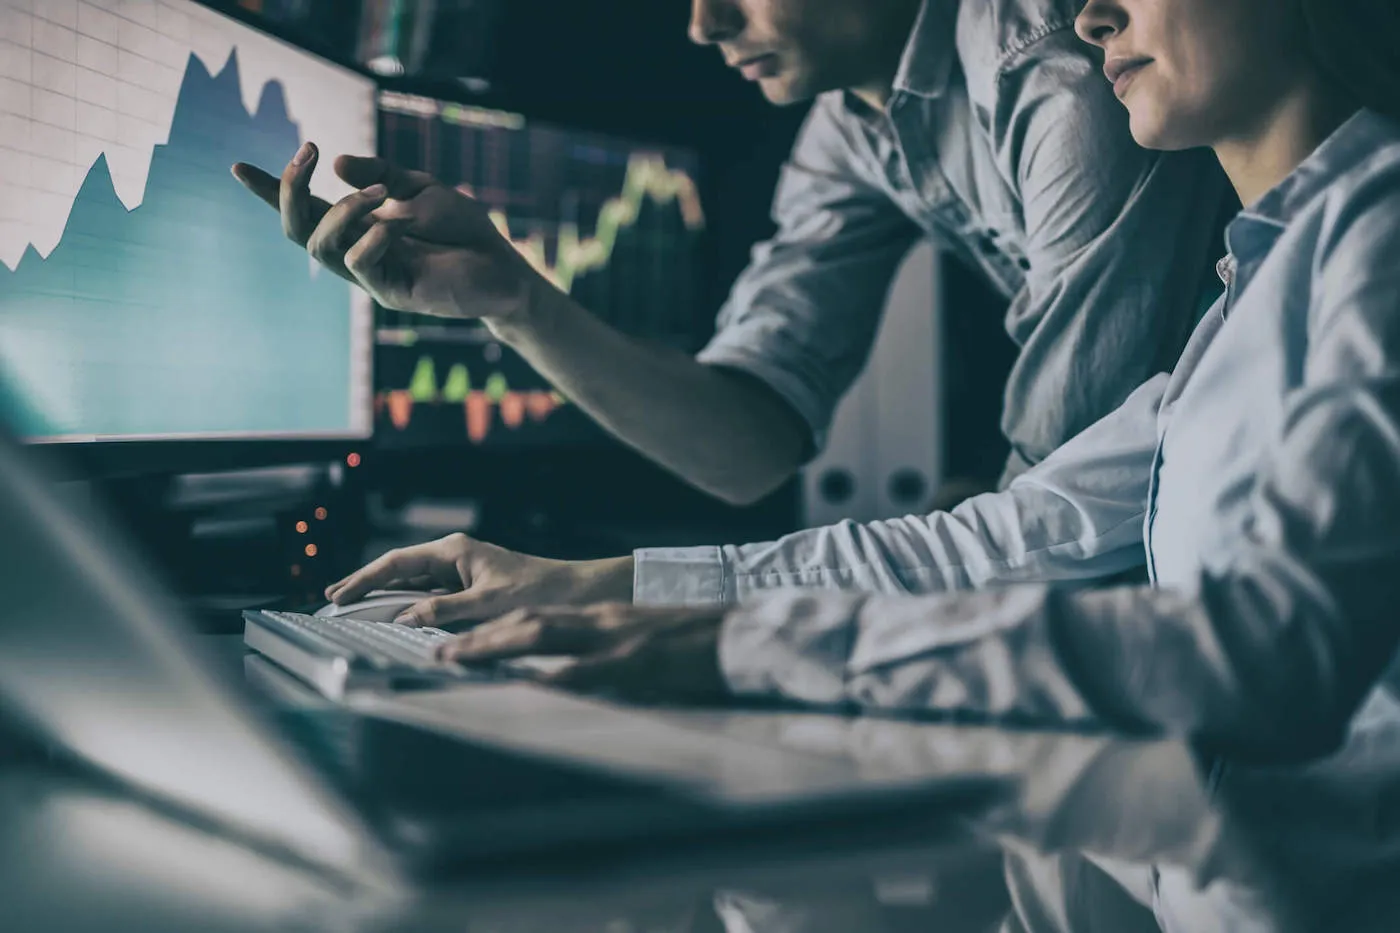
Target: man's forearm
column 722, row 432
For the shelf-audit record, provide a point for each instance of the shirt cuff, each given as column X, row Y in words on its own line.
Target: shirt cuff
column 789, row 387
column 685, row 576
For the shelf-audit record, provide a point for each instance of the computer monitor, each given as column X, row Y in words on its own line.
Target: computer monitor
column 614, row 222
column 145, row 297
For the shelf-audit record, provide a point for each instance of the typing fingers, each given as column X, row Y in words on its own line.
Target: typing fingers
column 522, row 632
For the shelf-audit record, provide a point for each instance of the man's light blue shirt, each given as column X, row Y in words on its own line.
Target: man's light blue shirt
column 1003, row 143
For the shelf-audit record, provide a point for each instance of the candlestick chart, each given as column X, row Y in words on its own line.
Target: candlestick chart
column 481, row 406
column 613, row 223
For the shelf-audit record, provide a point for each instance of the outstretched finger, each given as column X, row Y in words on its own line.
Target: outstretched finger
column 299, row 213
column 266, row 187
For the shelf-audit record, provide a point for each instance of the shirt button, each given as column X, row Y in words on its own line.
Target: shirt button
column 1225, row 268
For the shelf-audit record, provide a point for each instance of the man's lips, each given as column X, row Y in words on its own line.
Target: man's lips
column 756, row 66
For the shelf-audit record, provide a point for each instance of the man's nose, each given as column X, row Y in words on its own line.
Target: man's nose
column 713, row 21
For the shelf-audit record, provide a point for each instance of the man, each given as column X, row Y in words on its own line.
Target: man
column 986, row 125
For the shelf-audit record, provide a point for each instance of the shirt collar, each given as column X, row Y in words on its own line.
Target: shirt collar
column 1255, row 230
column 927, row 63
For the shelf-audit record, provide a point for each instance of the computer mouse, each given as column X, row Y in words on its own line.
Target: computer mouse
column 377, row 606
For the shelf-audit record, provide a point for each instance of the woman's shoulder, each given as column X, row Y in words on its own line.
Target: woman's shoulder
column 1355, row 266
column 1352, row 180
column 1361, row 160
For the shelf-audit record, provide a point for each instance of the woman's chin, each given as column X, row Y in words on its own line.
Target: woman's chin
column 1151, row 131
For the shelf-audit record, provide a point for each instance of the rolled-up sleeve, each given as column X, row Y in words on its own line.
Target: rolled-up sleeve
column 1118, row 244
column 1270, row 651
column 803, row 316
column 1079, row 515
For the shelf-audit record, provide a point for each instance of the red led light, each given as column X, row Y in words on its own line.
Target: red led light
column 353, row 460
column 321, row 514
column 302, row 528
column 311, row 550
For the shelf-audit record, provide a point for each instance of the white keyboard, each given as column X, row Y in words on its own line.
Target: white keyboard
column 339, row 654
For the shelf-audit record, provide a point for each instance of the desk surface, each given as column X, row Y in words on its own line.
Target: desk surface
column 1095, row 827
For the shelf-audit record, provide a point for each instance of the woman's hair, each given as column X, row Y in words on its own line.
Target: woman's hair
column 1356, row 45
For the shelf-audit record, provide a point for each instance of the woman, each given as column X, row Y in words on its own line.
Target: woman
column 1260, row 482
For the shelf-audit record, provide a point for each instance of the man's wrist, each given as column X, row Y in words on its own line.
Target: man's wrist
column 540, row 306
column 610, row 580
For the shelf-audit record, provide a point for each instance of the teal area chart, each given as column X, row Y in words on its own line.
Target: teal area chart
column 190, row 314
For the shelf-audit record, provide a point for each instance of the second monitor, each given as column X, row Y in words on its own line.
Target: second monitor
column 614, row 223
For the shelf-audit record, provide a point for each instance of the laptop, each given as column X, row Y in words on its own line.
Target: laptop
column 97, row 657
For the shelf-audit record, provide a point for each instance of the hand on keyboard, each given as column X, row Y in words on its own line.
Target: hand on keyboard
column 486, row 581
column 339, row 655
column 657, row 652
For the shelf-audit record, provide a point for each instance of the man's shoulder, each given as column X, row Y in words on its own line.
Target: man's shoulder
column 994, row 35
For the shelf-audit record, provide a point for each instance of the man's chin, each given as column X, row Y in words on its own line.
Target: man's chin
column 781, row 92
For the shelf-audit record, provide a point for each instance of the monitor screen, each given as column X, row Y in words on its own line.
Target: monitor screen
column 613, row 222
column 144, row 294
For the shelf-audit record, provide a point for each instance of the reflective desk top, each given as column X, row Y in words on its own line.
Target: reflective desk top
column 1093, row 833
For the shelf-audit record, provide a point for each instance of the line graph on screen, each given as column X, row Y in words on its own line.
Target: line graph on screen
column 145, row 294
column 612, row 222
